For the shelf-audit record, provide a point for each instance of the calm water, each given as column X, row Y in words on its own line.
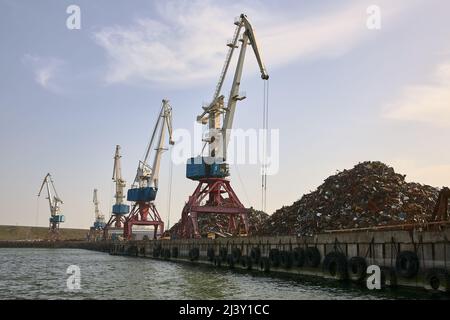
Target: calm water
column 41, row 274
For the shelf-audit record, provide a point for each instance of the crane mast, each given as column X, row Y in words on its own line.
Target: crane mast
column 54, row 202
column 120, row 183
column 145, row 186
column 214, row 194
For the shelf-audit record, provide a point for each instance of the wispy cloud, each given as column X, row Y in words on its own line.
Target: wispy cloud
column 428, row 103
column 186, row 43
column 45, row 70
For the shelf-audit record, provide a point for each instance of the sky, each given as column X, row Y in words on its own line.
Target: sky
column 339, row 93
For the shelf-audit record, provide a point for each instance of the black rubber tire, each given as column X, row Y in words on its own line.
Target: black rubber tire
column 274, row 258
column 175, row 252
column 264, row 264
column 217, row 261
column 133, row 251
column 407, row 264
column 298, row 257
column 223, row 254
column 157, row 252
column 166, row 254
column 249, row 262
column 230, row 261
column 286, row 259
column 312, row 257
column 194, row 254
column 357, row 269
column 437, row 280
column 255, row 254
column 388, row 277
column 335, row 265
column 210, row 254
column 236, row 253
column 246, row 262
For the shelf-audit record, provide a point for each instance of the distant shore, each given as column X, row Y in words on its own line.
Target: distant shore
column 14, row 233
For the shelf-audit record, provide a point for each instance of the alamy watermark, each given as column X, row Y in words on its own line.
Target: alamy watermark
column 237, row 146
column 374, row 279
column 73, row 21
column 373, row 21
column 74, row 280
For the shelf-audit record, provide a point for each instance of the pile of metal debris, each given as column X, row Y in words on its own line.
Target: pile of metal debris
column 370, row 194
column 218, row 223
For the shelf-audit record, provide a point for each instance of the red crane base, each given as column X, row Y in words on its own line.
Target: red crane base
column 143, row 214
column 213, row 196
column 115, row 222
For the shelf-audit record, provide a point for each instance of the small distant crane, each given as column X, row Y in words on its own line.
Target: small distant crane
column 214, row 194
column 119, row 209
column 54, row 202
column 145, row 186
column 99, row 222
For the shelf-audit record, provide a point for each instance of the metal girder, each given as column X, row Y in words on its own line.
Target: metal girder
column 213, row 196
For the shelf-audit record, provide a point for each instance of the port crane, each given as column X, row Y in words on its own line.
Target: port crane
column 54, row 202
column 145, row 186
column 119, row 209
column 97, row 229
column 214, row 194
column 99, row 222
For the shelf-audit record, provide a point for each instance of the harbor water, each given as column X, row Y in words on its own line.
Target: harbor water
column 43, row 274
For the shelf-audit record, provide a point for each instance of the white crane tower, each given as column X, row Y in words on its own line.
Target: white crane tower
column 119, row 209
column 214, row 194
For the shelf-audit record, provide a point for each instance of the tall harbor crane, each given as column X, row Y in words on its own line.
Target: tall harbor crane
column 119, row 209
column 214, row 194
column 145, row 186
column 54, row 202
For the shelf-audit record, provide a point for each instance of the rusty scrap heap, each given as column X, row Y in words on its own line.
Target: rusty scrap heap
column 218, row 223
column 370, row 194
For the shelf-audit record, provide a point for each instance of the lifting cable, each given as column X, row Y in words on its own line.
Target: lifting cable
column 243, row 186
column 169, row 193
column 264, row 146
column 37, row 212
column 111, row 200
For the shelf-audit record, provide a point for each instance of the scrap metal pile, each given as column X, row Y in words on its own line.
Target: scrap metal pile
column 218, row 223
column 370, row 194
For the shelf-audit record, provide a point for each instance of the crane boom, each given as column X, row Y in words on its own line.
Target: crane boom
column 219, row 135
column 147, row 176
column 53, row 200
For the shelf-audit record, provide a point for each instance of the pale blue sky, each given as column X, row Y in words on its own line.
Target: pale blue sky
column 339, row 93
